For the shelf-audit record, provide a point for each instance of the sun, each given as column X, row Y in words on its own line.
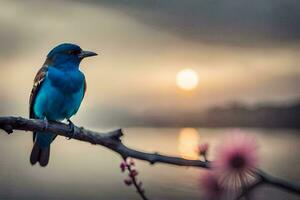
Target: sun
column 187, row 79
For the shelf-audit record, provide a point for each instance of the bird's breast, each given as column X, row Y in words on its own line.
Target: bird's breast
column 66, row 81
column 57, row 103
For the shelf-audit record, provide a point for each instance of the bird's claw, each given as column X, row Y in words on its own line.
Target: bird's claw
column 72, row 129
column 46, row 124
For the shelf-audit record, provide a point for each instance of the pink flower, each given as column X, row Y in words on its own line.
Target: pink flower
column 128, row 181
column 133, row 173
column 212, row 190
column 236, row 160
column 130, row 161
column 123, row 166
column 202, row 149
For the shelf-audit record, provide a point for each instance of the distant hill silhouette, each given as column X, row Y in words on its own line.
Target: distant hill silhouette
column 232, row 115
column 285, row 116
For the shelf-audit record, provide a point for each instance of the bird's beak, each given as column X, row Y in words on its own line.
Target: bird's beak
column 85, row 54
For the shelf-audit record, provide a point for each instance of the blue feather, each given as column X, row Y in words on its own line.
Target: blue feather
column 60, row 94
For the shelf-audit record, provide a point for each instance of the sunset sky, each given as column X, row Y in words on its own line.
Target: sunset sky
column 242, row 51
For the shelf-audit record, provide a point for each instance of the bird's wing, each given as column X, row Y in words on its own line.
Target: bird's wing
column 84, row 88
column 38, row 80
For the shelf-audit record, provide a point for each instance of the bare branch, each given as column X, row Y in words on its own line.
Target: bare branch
column 112, row 140
column 279, row 183
column 265, row 179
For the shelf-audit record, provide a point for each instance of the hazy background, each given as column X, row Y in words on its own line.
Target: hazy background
column 243, row 51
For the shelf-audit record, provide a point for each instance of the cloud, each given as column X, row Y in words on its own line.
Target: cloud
column 233, row 22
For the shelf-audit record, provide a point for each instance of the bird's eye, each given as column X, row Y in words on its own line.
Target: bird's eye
column 74, row 52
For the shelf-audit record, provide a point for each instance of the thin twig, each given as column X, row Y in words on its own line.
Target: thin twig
column 133, row 176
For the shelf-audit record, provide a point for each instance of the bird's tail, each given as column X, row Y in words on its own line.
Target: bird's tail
column 39, row 154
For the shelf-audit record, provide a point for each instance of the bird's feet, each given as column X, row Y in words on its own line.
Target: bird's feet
column 46, row 124
column 72, row 131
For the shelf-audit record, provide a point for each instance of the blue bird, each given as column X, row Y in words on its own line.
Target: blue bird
column 59, row 87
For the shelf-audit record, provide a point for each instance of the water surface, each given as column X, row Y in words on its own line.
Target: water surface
column 78, row 170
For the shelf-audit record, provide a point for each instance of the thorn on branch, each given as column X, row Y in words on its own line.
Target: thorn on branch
column 153, row 158
column 117, row 134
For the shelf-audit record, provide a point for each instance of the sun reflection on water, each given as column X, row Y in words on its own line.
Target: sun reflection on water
column 188, row 140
